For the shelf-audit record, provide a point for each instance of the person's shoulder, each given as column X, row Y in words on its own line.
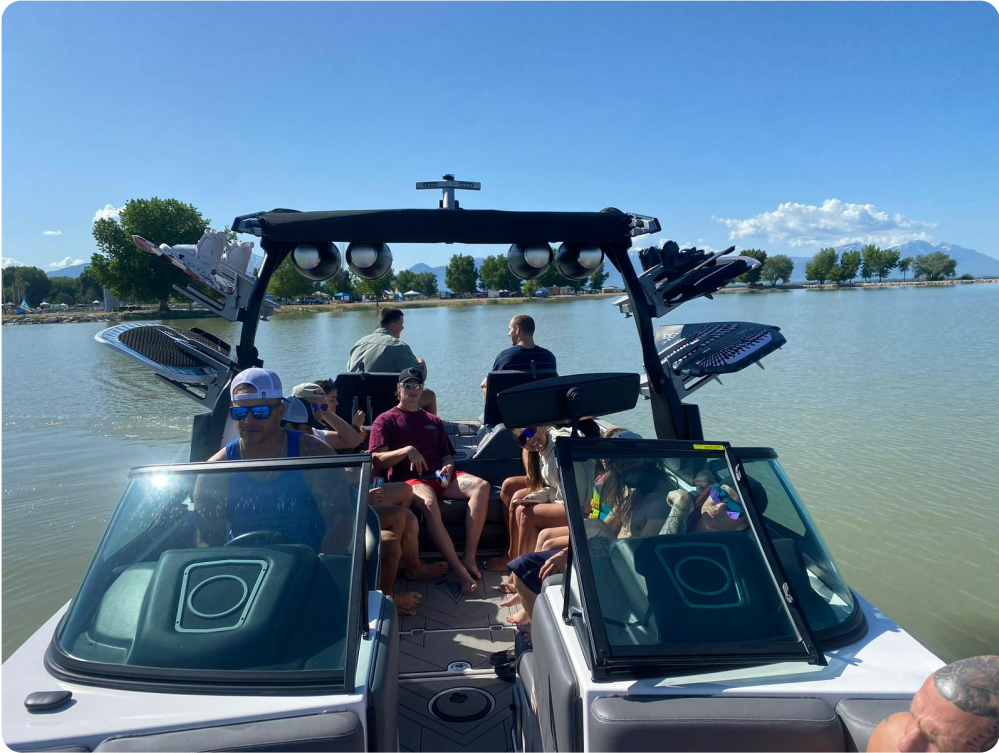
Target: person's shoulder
column 220, row 455
column 310, row 446
column 885, row 737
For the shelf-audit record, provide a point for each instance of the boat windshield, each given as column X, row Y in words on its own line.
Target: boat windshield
column 674, row 563
column 234, row 573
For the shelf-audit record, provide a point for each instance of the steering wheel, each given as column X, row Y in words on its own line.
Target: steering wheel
column 252, row 538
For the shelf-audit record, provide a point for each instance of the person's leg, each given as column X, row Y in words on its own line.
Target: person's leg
column 510, row 487
column 527, row 598
column 393, row 523
column 552, row 538
column 428, row 401
column 533, row 518
column 396, row 493
column 413, row 567
column 515, row 535
column 426, row 500
column 476, row 491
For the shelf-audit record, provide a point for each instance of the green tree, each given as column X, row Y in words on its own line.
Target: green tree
column 821, row 267
column 849, row 263
column 904, row 265
column 887, row 261
column 426, row 283
column 131, row 272
column 530, row 287
column 460, row 275
column 406, row 280
column 934, row 266
column 65, row 290
column 753, row 278
column 286, row 282
column 376, row 288
column 777, row 267
column 598, row 278
column 90, row 288
column 31, row 283
column 869, row 260
column 496, row 275
column 343, row 282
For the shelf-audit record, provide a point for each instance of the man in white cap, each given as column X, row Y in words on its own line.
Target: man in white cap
column 311, row 508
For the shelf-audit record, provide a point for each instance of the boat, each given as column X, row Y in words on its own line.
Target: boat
column 743, row 639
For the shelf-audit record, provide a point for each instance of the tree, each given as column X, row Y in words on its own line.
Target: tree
column 934, row 266
column 131, row 272
column 820, row 268
column 496, row 275
column 90, row 288
column 753, row 278
column 869, row 254
column 375, row 288
column 598, row 278
column 426, row 283
column 777, row 267
column 286, row 282
column 460, row 275
column 343, row 282
column 849, row 263
column 65, row 290
column 406, row 280
column 530, row 288
column 903, row 266
column 31, row 283
column 879, row 261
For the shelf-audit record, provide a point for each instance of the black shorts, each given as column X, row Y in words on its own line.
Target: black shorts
column 527, row 567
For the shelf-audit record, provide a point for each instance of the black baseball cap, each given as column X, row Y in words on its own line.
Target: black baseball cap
column 408, row 375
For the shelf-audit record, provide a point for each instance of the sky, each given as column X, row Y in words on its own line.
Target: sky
column 782, row 126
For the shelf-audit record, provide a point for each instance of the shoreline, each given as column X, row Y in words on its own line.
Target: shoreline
column 78, row 317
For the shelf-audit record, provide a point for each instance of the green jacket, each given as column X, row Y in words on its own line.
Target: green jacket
column 379, row 351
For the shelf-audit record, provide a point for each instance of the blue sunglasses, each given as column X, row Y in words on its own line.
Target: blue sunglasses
column 317, row 408
column 718, row 494
column 260, row 412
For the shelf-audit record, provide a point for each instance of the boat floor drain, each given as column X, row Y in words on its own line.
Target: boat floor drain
column 461, row 705
column 459, row 666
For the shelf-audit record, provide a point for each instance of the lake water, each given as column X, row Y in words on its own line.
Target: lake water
column 883, row 406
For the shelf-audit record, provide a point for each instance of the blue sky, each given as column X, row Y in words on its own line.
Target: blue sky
column 785, row 126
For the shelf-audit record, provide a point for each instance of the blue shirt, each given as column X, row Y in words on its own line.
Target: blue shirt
column 519, row 358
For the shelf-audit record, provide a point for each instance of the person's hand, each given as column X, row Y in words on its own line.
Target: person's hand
column 448, row 470
column 375, row 495
column 417, row 463
column 358, row 419
column 555, row 564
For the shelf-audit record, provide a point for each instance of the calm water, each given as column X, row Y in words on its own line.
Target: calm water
column 883, row 406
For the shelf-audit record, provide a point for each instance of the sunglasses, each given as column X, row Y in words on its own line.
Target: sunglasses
column 526, row 436
column 412, row 387
column 319, row 408
column 718, row 494
column 260, row 412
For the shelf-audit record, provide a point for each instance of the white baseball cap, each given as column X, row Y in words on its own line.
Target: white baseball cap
column 266, row 383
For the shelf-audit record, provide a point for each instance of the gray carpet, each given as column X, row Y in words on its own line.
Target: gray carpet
column 419, row 730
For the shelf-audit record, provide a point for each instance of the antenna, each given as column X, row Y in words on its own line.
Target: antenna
column 448, row 184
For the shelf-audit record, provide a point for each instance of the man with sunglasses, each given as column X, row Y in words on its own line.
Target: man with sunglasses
column 311, row 508
column 412, row 445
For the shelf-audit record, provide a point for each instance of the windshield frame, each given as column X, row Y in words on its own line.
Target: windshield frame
column 612, row 662
column 159, row 679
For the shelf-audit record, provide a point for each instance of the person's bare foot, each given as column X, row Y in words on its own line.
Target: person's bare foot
column 512, row 601
column 506, row 587
column 520, row 618
column 468, row 584
column 498, row 564
column 472, row 567
column 426, row 572
column 406, row 603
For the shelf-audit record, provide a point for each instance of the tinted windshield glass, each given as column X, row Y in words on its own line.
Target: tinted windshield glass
column 228, row 567
column 824, row 598
column 673, row 558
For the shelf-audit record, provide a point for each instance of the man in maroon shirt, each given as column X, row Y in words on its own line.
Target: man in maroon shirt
column 413, row 446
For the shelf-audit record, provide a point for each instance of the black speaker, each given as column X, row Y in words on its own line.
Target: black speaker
column 369, row 261
column 577, row 261
column 529, row 260
column 316, row 261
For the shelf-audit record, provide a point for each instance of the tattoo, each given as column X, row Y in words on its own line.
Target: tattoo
column 678, row 512
column 465, row 482
column 972, row 685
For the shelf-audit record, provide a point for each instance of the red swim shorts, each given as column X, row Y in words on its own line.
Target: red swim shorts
column 434, row 483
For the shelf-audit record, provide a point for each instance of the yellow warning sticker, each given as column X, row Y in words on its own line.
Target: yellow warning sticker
column 709, row 447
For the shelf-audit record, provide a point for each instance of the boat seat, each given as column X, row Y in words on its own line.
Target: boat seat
column 330, row 731
column 372, row 392
column 498, row 381
column 650, row 723
column 860, row 716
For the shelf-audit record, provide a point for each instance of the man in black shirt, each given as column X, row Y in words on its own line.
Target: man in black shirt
column 524, row 352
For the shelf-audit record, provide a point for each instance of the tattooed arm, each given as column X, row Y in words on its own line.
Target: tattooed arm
column 680, row 505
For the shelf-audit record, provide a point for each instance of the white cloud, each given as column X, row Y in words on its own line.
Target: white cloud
column 832, row 224
column 52, row 232
column 109, row 212
column 69, row 261
column 8, row 262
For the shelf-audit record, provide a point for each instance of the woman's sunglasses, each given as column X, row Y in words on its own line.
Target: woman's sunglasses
column 260, row 412
column 319, row 408
column 526, row 436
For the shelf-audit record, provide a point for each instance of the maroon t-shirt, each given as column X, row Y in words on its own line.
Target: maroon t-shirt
column 398, row 428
